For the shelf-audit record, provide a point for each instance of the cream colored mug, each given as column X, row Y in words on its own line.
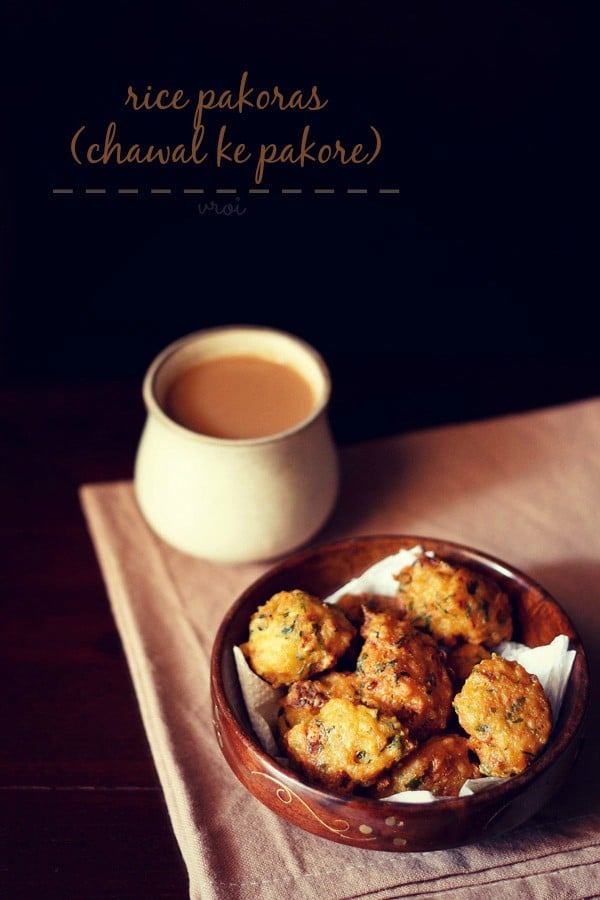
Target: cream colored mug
column 236, row 500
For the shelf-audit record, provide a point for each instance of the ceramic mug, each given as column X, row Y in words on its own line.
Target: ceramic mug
column 236, row 500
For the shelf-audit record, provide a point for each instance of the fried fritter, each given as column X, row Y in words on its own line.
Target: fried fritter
column 294, row 635
column 461, row 660
column 454, row 604
column 353, row 606
column 505, row 712
column 304, row 699
column 346, row 745
column 440, row 764
column 402, row 670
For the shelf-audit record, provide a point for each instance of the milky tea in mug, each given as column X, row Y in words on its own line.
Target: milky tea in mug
column 236, row 462
column 239, row 397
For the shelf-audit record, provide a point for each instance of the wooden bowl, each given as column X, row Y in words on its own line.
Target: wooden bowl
column 390, row 825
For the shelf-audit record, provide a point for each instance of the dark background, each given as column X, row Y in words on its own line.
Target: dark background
column 465, row 295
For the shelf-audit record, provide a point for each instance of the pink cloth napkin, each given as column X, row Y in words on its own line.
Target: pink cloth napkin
column 525, row 488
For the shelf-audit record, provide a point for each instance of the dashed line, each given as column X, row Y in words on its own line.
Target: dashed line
column 252, row 191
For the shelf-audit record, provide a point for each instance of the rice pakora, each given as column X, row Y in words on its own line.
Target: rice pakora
column 454, row 604
column 461, row 660
column 295, row 635
column 402, row 671
column 354, row 605
column 346, row 745
column 505, row 712
column 440, row 765
column 304, row 699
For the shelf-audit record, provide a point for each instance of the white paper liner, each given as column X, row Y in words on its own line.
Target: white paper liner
column 380, row 578
column 551, row 663
column 262, row 702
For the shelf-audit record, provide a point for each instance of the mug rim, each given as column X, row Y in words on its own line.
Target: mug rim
column 154, row 408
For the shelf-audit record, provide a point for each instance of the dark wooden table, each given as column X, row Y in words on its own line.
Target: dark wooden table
column 82, row 814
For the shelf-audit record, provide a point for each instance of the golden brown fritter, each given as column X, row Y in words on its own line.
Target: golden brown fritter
column 461, row 659
column 345, row 746
column 454, row 604
column 402, row 670
column 294, row 635
column 440, row 764
column 353, row 605
column 304, row 699
column 506, row 714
